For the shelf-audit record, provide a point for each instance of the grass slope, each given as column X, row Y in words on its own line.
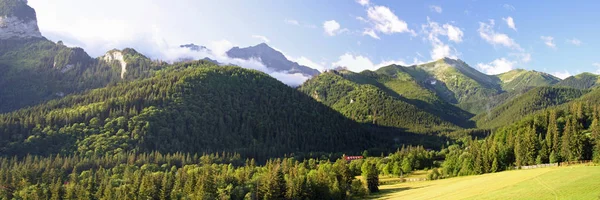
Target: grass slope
column 573, row 182
column 520, row 79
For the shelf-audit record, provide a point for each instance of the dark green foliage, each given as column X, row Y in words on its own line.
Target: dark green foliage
column 555, row 135
column 371, row 175
column 190, row 107
column 434, row 174
column 533, row 100
column 173, row 176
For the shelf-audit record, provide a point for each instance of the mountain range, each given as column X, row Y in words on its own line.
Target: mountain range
column 58, row 99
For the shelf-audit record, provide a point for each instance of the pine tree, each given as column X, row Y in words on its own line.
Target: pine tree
column 370, row 172
column 596, row 136
column 494, row 168
column 553, row 133
column 577, row 139
column 565, row 151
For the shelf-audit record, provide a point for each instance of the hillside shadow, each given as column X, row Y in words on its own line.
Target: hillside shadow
column 390, row 191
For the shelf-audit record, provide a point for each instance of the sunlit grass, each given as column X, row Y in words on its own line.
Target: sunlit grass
column 573, row 182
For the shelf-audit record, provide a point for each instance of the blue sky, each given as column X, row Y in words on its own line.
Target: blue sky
column 558, row 37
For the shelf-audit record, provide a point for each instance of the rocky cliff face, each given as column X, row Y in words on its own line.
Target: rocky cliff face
column 116, row 55
column 17, row 20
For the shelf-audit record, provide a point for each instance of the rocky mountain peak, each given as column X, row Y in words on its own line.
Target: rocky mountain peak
column 116, row 56
column 17, row 20
column 271, row 58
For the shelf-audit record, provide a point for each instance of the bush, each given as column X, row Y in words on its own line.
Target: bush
column 358, row 189
column 434, row 174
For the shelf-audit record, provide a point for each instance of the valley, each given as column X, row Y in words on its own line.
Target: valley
column 252, row 122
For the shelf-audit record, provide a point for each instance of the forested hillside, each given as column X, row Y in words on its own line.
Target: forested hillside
column 191, row 107
column 580, row 81
column 525, row 104
column 367, row 103
column 569, row 133
column 37, row 70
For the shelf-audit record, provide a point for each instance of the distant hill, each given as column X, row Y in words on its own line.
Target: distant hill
column 520, row 79
column 580, row 81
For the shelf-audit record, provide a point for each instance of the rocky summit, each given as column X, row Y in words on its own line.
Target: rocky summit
column 18, row 20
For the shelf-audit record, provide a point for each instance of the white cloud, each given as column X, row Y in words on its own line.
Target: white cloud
column 509, row 7
column 548, row 41
column 510, row 22
column 454, row 33
column 383, row 20
column 220, row 47
column 487, row 32
column 263, row 38
column 290, row 79
column 574, row 41
column 562, row 75
column 333, row 28
column 361, row 19
column 437, row 9
column 371, row 32
column 363, row 2
column 439, row 48
column 386, row 21
column 497, row 66
column 298, row 23
column 358, row 63
column 292, row 22
column 355, row 63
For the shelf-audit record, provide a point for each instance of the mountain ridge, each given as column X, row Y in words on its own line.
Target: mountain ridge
column 271, row 58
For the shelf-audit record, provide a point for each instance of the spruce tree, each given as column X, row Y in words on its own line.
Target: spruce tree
column 370, row 172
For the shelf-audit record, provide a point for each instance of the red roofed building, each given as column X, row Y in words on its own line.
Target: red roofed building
column 351, row 158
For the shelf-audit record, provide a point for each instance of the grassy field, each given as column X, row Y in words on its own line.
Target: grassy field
column 572, row 182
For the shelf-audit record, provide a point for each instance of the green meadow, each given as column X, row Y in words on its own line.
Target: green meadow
column 570, row 182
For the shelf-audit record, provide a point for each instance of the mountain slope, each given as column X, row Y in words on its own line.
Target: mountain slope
column 452, row 80
column 371, row 103
column 404, row 87
column 17, row 20
column 34, row 69
column 580, row 81
column 533, row 100
column 37, row 70
column 271, row 58
column 191, row 107
column 520, row 79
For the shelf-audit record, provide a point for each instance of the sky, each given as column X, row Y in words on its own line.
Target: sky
column 557, row 37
